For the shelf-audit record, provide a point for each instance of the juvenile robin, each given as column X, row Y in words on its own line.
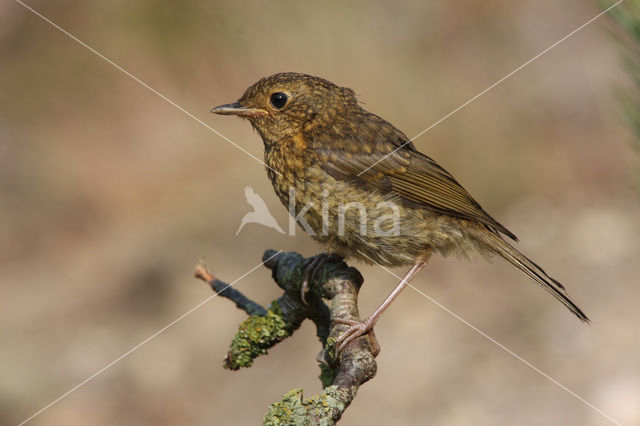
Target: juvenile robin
column 358, row 186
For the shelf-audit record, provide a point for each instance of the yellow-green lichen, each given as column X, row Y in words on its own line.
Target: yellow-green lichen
column 255, row 335
column 322, row 409
column 331, row 347
column 289, row 411
column 322, row 405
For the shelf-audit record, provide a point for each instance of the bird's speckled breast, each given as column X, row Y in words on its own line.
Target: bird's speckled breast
column 340, row 226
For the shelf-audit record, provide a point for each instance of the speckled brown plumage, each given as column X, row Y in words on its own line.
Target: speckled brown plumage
column 323, row 144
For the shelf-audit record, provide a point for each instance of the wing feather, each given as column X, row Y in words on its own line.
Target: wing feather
column 417, row 179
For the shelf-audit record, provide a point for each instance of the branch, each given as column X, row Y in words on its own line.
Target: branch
column 225, row 290
column 341, row 377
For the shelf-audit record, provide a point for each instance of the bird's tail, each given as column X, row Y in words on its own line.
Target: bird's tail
column 499, row 246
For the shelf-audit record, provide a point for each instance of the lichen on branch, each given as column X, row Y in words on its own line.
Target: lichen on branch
column 333, row 281
column 255, row 335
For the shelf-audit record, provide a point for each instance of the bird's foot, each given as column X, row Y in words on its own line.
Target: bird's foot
column 313, row 265
column 356, row 329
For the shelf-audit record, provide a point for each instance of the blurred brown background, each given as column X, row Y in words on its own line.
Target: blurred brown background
column 109, row 195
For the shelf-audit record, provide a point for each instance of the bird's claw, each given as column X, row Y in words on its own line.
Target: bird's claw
column 304, row 288
column 312, row 266
column 356, row 329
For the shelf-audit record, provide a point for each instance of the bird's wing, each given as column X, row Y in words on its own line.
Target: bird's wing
column 416, row 178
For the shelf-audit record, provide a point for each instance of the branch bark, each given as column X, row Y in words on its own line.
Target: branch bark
column 341, row 378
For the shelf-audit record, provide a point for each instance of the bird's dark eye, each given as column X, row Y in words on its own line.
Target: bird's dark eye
column 279, row 99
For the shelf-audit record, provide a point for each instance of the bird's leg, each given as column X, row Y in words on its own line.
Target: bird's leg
column 359, row 328
column 314, row 265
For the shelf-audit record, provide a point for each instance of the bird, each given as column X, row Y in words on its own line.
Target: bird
column 260, row 213
column 360, row 187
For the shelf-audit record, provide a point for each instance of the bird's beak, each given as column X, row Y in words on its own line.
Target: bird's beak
column 237, row 109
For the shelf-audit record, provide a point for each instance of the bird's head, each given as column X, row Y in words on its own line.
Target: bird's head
column 286, row 104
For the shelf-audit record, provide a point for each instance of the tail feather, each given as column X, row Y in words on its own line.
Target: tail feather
column 535, row 272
